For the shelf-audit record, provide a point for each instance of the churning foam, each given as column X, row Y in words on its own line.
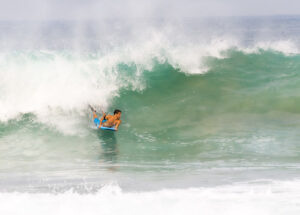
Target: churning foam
column 261, row 199
column 52, row 84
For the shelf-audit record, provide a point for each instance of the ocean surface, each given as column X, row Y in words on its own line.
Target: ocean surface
column 210, row 116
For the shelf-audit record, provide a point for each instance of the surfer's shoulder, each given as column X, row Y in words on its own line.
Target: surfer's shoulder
column 108, row 116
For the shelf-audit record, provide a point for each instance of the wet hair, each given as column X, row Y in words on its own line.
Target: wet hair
column 117, row 111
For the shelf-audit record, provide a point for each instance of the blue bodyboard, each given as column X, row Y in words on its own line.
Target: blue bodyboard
column 108, row 128
column 97, row 123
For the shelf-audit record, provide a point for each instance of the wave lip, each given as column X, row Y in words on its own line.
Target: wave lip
column 286, row 47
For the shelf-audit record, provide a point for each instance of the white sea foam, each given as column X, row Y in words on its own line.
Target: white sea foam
column 261, row 199
column 53, row 85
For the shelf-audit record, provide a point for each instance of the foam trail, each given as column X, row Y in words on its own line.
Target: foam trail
column 265, row 199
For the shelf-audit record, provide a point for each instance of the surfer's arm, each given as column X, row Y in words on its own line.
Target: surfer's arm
column 117, row 124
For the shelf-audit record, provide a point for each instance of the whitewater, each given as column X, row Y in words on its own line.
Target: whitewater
column 210, row 116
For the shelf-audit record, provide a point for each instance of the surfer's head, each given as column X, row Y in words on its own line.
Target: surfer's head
column 117, row 113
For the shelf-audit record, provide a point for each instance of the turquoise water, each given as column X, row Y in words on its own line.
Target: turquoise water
column 219, row 114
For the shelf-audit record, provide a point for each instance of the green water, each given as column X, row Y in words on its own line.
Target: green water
column 243, row 110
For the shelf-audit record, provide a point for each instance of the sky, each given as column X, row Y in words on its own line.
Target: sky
column 99, row 9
